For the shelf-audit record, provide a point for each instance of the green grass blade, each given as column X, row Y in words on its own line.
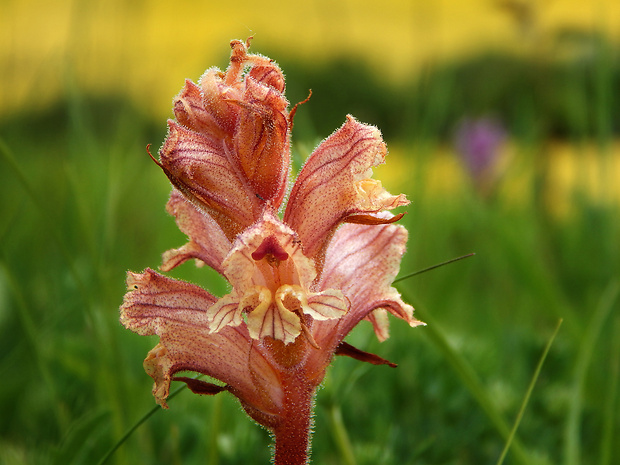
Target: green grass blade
column 572, row 446
column 130, row 431
column 53, row 232
column 528, row 394
column 607, row 437
column 30, row 329
column 469, row 378
column 136, row 425
column 216, row 416
column 341, row 436
column 415, row 273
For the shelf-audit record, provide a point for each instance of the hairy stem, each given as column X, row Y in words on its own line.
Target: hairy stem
column 292, row 434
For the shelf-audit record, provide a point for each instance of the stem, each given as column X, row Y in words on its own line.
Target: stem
column 292, row 434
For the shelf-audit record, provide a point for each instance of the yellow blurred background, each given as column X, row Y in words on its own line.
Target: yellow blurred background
column 144, row 49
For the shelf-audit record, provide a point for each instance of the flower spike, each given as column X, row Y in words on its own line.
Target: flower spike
column 298, row 284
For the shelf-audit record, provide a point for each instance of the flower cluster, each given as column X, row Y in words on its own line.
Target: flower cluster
column 301, row 275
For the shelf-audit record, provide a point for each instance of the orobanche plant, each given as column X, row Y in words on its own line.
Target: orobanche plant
column 301, row 275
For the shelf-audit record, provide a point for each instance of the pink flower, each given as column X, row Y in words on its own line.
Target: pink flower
column 299, row 283
column 479, row 143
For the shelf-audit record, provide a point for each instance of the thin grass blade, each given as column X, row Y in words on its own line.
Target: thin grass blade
column 469, row 378
column 528, row 394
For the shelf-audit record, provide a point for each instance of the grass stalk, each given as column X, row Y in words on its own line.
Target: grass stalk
column 53, row 232
column 341, row 436
column 30, row 330
column 216, row 415
column 528, row 394
column 469, row 378
column 447, row 262
column 607, row 438
column 136, row 425
column 572, row 444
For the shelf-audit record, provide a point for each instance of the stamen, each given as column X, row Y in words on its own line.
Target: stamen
column 306, row 332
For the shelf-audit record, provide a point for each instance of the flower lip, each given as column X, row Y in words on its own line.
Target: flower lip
column 270, row 248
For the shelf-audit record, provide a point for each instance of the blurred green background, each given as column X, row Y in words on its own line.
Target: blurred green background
column 502, row 122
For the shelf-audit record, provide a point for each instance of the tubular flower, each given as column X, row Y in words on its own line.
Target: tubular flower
column 299, row 283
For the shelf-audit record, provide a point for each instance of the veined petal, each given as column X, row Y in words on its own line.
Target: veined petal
column 327, row 305
column 216, row 97
column 372, row 197
column 208, row 243
column 266, row 71
column 228, row 356
column 199, row 167
column 362, row 261
column 380, row 323
column 189, row 109
column 261, row 141
column 225, row 312
column 153, row 301
column 176, row 312
column 334, row 184
column 274, row 320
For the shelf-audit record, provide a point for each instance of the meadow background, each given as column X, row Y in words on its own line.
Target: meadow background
column 85, row 86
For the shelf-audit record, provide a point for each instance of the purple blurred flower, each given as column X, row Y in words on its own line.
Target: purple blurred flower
column 478, row 142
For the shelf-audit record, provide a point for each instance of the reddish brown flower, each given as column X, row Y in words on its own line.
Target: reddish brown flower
column 298, row 284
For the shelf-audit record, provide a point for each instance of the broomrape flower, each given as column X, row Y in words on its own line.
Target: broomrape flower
column 298, row 283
